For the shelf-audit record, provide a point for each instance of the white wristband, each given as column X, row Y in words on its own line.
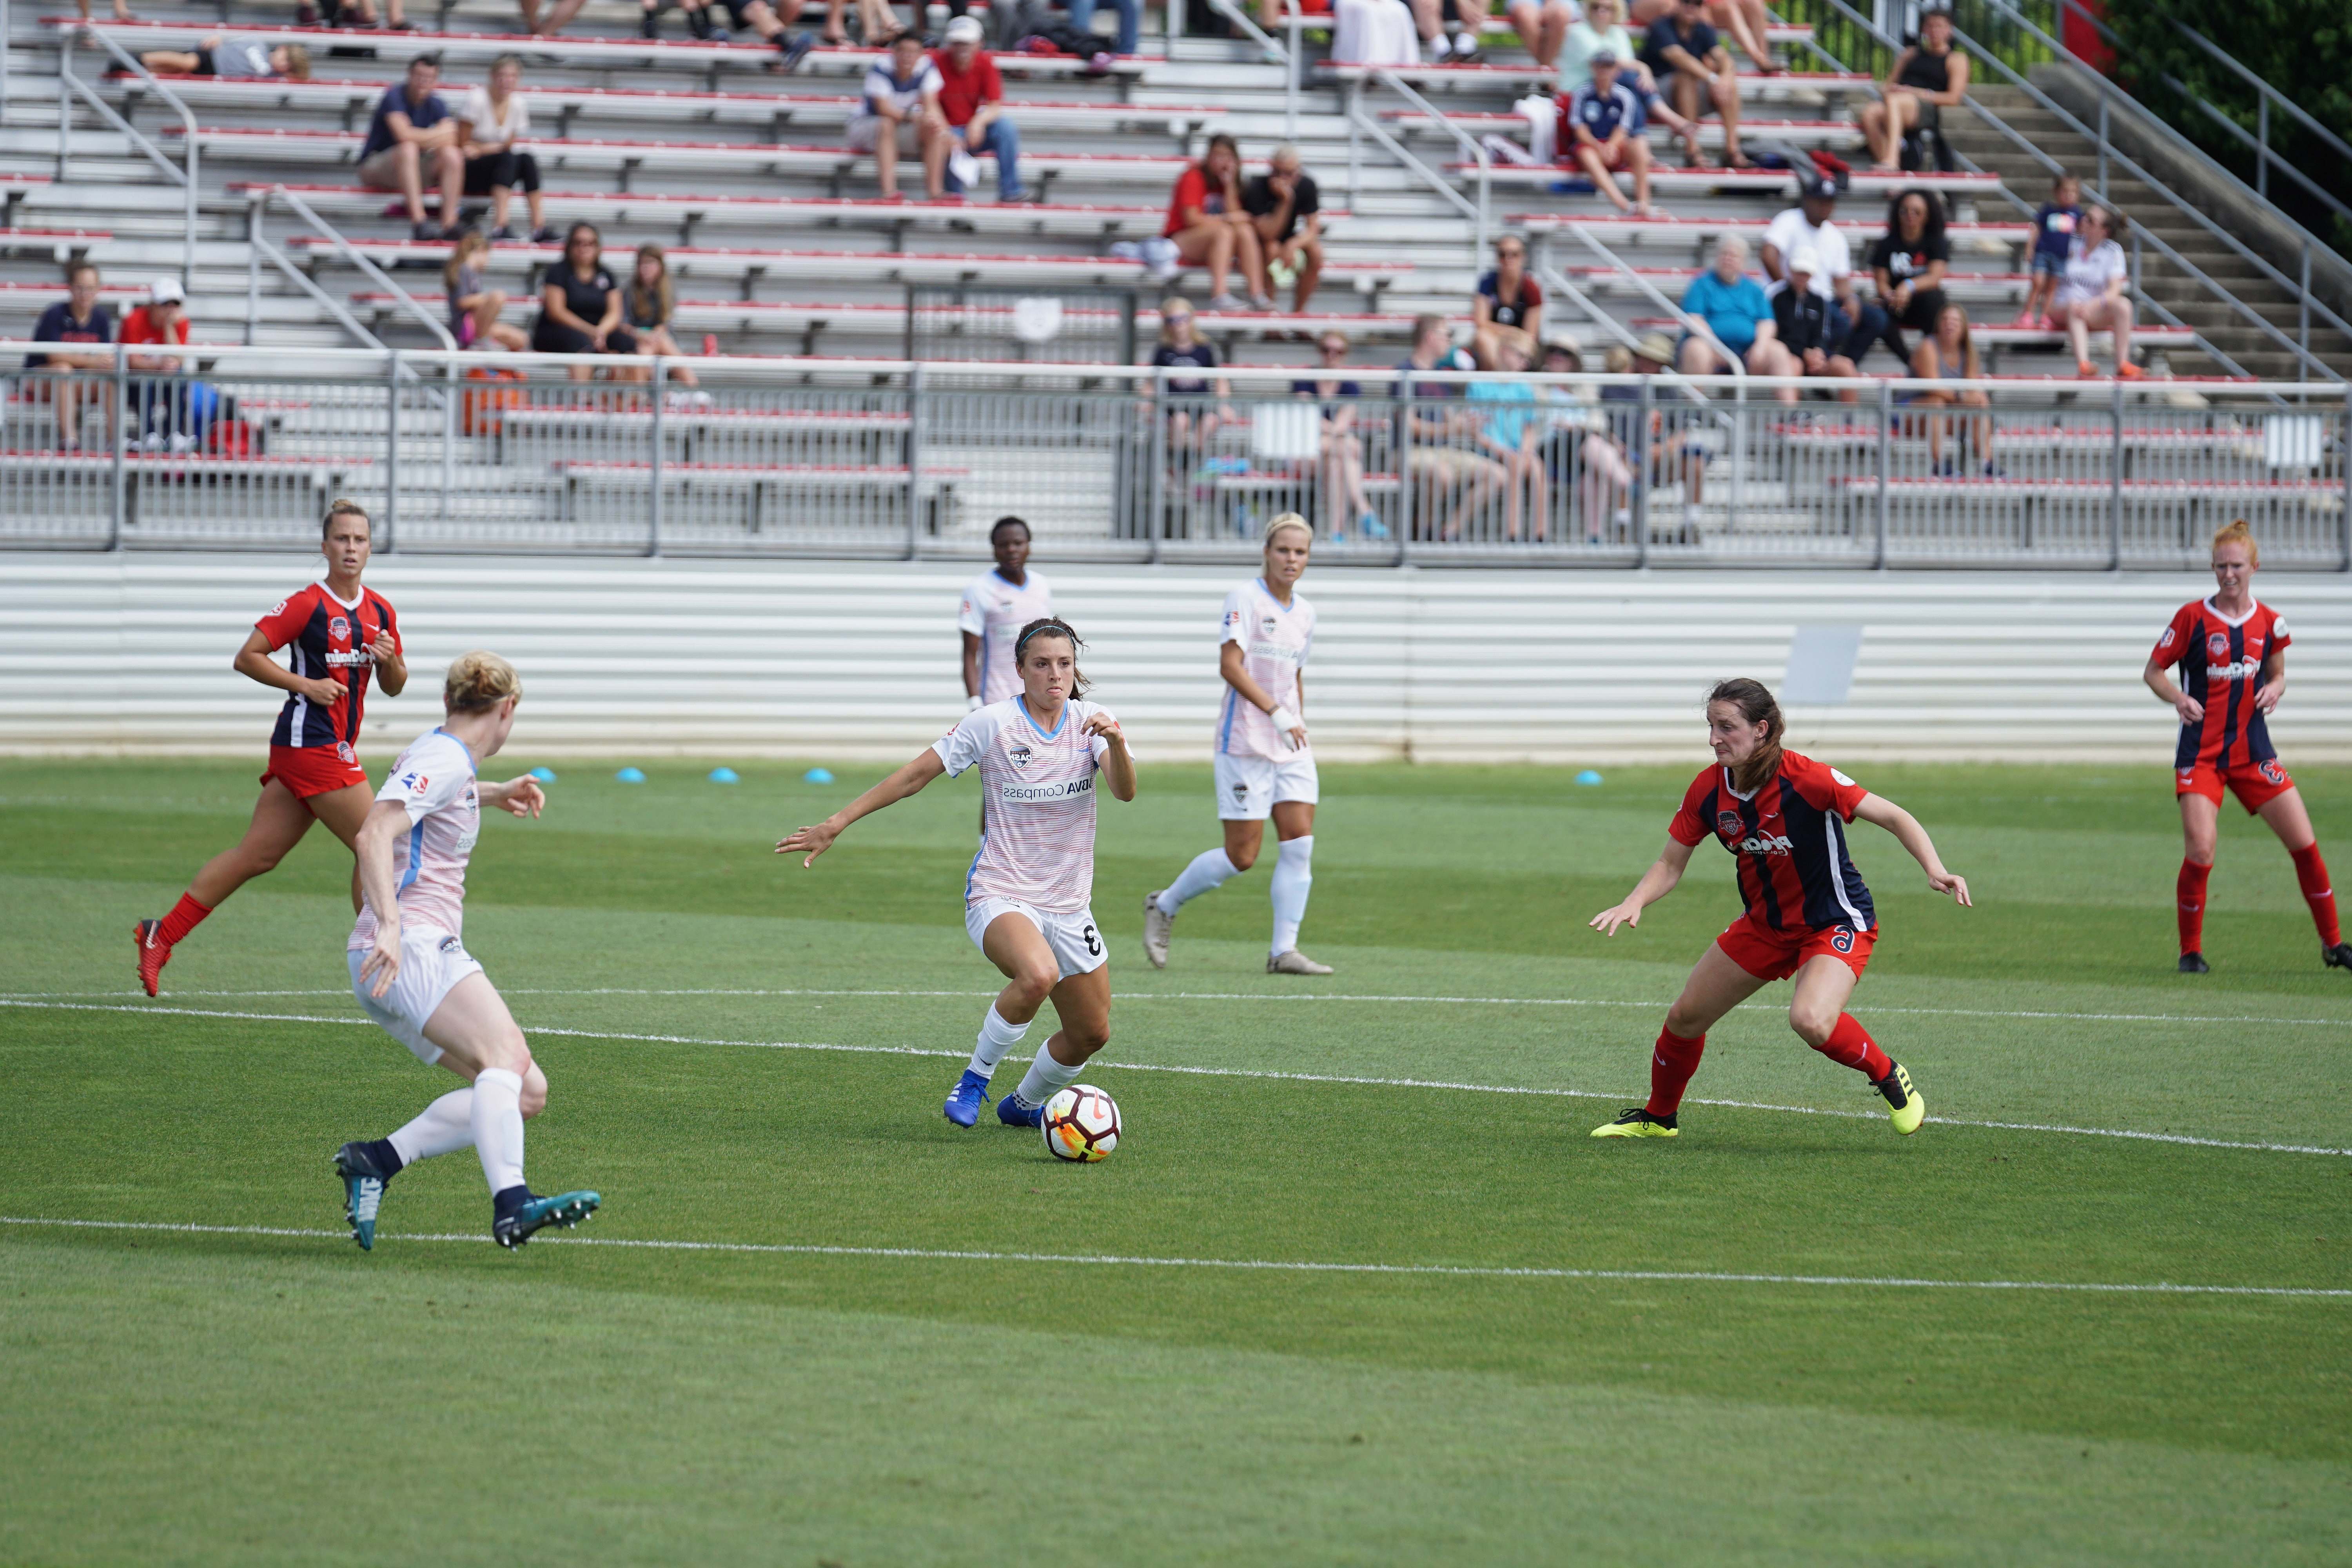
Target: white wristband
column 971, row 705
column 1285, row 721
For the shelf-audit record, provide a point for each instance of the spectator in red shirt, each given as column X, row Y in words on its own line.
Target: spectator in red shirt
column 1212, row 228
column 170, row 409
column 971, row 97
column 76, row 318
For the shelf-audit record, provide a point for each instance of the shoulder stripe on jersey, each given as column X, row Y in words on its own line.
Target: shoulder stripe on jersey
column 415, row 855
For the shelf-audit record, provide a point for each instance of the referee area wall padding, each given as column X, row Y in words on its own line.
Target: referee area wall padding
column 858, row 661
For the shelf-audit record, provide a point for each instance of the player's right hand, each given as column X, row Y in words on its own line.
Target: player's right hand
column 323, row 690
column 814, row 841
column 1626, row 914
column 382, row 961
column 2191, row 710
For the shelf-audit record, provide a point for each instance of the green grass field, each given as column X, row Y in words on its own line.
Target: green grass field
column 816, row 1324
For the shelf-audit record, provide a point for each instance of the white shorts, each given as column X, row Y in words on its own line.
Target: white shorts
column 431, row 963
column 1078, row 943
column 864, row 134
column 1249, row 788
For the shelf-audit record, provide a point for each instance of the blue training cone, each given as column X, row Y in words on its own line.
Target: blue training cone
column 817, row 776
column 544, row 775
column 1588, row 777
column 631, row 775
column 724, row 775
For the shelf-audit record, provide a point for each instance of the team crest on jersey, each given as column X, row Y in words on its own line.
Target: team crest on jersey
column 344, row 751
column 339, row 628
column 1019, row 756
column 1267, row 626
column 2217, row 645
column 1728, row 822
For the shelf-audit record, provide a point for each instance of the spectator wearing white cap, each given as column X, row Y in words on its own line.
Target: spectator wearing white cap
column 1806, row 326
column 972, row 99
column 162, row 406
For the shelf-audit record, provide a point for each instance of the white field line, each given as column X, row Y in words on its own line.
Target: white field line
column 2343, row 1023
column 1445, row 1270
column 350, row 1021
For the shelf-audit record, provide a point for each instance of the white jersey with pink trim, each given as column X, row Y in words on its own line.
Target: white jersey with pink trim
column 435, row 780
column 994, row 611
column 1274, row 639
column 1037, row 803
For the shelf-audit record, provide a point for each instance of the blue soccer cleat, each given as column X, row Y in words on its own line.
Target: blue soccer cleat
column 966, row 1098
column 532, row 1214
column 1015, row 1111
column 364, row 1177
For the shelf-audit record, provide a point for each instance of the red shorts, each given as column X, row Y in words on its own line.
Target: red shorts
column 2255, row 784
column 1770, row 954
column 315, row 770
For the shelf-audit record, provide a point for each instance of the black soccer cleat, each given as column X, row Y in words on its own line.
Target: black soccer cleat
column 2340, row 956
column 518, row 1220
column 365, row 1169
column 2194, row 964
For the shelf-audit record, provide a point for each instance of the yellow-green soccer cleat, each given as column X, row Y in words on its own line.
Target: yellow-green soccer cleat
column 1637, row 1123
column 1903, row 1104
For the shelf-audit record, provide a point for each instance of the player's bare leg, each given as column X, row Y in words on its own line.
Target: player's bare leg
column 1715, row 987
column 280, row 818
column 2199, row 821
column 1019, row 949
column 2287, row 818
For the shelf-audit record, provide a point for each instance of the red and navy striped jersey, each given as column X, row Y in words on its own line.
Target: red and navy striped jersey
column 327, row 637
column 1790, row 838
column 2221, row 665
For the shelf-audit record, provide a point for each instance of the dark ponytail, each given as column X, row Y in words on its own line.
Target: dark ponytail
column 1756, row 705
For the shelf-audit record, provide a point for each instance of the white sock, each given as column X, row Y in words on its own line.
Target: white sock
column 1294, row 877
column 1210, row 868
column 498, row 1127
column 446, row 1126
column 1046, row 1077
column 996, row 1037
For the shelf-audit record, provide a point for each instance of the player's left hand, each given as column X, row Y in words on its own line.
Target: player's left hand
column 1106, row 726
column 2267, row 697
column 1955, row 886
column 524, row 796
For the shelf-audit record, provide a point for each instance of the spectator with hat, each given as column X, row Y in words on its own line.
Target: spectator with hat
column 1806, row 325
column 1853, row 324
column 171, row 413
column 972, row 101
column 1601, row 131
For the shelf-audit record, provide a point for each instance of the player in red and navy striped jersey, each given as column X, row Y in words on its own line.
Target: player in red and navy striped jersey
column 1809, row 917
column 336, row 633
column 2230, row 652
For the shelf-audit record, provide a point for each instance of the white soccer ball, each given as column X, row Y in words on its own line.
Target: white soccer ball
column 1080, row 1123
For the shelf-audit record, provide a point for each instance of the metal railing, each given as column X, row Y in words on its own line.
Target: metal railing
column 235, row 447
column 1284, row 53
column 70, row 87
column 259, row 212
column 1361, row 122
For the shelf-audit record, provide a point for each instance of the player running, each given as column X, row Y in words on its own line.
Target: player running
column 412, row 973
column 1808, row 913
column 2232, row 656
column 996, row 608
column 339, row 631
column 1264, row 764
column 1027, row 898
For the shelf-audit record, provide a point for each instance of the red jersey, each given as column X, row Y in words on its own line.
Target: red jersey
column 1193, row 190
column 328, row 638
column 962, row 92
column 1789, row 839
column 2220, row 663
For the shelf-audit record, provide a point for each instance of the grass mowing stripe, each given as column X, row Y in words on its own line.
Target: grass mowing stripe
column 1275, row 996
column 1451, row 1271
column 347, row 1021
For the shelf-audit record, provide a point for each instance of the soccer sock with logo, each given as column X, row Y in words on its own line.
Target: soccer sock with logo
column 2311, row 872
column 445, row 1127
column 1294, row 878
column 1850, row 1045
column 2189, row 891
column 996, row 1037
column 186, row 916
column 1670, row 1067
column 1210, row 868
column 498, row 1126
column 1046, row 1075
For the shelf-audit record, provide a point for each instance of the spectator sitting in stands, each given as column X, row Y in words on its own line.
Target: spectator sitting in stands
column 1213, row 230
column 121, row 13
column 491, row 120
column 1807, row 326
column 1513, row 436
column 1930, row 74
column 77, row 318
column 351, row 13
column 234, row 60
column 412, row 125
column 1603, row 28
column 1734, row 310
column 901, row 93
column 580, row 307
column 1130, row 22
column 971, row 98
column 1674, row 446
column 1602, row 127
column 1191, row 420
column 1286, row 208
column 1907, row 263
column 1434, row 441
column 1506, row 298
column 1694, row 70
column 474, row 306
column 1340, row 450
column 648, row 304
column 1579, row 448
column 172, row 413
column 1949, row 354
column 2054, row 231
column 1542, row 27
column 756, row 16
column 1854, row 324
column 1379, row 32
column 1742, row 21
column 2094, row 293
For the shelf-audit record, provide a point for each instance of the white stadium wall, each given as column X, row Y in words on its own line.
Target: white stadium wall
column 838, row 659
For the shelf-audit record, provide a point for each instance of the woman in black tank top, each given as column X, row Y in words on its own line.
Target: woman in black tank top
column 1929, row 72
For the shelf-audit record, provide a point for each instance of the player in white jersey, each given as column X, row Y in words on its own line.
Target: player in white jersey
column 1264, row 766
column 994, row 610
column 1027, row 895
column 411, row 971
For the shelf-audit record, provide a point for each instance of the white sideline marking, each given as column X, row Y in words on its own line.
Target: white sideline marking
column 1450, row 1270
column 349, row 1021
column 2344, row 1023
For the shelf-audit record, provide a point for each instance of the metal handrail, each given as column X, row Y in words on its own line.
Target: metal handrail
column 70, row 85
column 1287, row 56
column 1468, row 143
column 1690, row 323
column 376, row 274
column 302, row 280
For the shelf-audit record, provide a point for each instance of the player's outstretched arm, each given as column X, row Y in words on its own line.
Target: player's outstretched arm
column 386, row 821
column 1884, row 812
column 1117, row 765
column 2192, row 712
column 1655, row 884
column 252, row 662
column 815, row 839
column 520, row 795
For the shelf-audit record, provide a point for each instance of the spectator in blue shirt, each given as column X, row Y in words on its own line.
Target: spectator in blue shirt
column 1513, row 433
column 411, row 125
column 1602, row 123
column 1736, row 311
column 77, row 318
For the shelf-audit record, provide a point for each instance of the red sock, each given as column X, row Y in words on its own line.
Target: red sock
column 1670, row 1070
column 2311, row 872
column 186, row 916
column 2189, row 891
column 1850, row 1045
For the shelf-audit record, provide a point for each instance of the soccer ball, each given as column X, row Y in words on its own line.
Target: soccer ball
column 1080, row 1123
